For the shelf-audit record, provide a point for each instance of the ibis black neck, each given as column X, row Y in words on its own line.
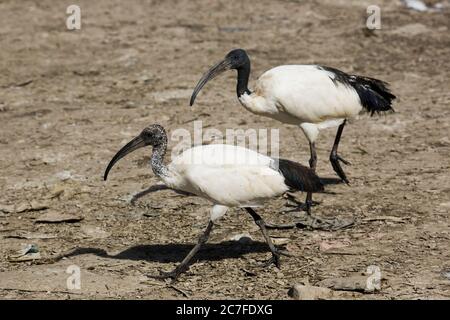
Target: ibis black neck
column 156, row 161
column 242, row 79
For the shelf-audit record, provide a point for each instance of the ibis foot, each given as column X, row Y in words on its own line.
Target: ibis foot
column 292, row 204
column 174, row 274
column 276, row 254
column 275, row 259
column 335, row 160
column 312, row 222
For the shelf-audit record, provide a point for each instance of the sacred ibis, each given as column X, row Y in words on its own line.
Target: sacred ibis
column 227, row 175
column 312, row 97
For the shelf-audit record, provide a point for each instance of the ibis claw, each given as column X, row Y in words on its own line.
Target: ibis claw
column 275, row 259
column 334, row 159
column 343, row 160
column 163, row 275
column 292, row 204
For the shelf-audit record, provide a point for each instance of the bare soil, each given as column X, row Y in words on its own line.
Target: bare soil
column 135, row 63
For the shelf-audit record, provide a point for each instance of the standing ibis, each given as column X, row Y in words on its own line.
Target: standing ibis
column 311, row 96
column 228, row 176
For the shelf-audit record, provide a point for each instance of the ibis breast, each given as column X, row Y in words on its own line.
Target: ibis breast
column 229, row 175
column 304, row 93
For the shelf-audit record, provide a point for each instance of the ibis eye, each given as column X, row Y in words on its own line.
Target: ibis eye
column 147, row 134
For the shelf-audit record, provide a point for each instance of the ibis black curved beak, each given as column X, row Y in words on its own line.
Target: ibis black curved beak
column 131, row 146
column 213, row 72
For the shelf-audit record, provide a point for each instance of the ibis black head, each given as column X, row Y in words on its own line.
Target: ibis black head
column 238, row 58
column 235, row 59
column 154, row 135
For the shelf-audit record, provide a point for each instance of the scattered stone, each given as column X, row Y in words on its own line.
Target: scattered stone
column 424, row 6
column 330, row 245
column 416, row 5
column 64, row 175
column 445, row 204
column 280, row 241
column 386, row 218
column 242, row 238
column 55, row 217
column 7, row 208
column 249, row 273
column 38, row 206
column 57, row 191
column 359, row 283
column 129, row 57
column 167, row 95
column 443, row 142
column 307, row 292
column 129, row 105
column 30, row 235
column 151, row 214
column 94, row 232
column 411, row 30
column 24, row 207
column 27, row 253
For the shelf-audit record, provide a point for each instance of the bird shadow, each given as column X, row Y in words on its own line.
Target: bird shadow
column 165, row 253
column 156, row 188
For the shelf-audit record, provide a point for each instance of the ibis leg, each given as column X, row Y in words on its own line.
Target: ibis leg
column 184, row 265
column 335, row 158
column 262, row 226
column 311, row 221
column 312, row 165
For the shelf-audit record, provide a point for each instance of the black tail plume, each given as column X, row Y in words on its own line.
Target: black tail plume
column 299, row 177
column 374, row 94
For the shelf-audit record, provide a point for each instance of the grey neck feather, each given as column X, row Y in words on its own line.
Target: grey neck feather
column 156, row 161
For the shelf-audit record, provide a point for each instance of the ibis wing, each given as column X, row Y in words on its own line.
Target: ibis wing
column 308, row 93
column 229, row 175
column 236, row 185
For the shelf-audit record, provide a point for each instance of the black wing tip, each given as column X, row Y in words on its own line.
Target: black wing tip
column 299, row 177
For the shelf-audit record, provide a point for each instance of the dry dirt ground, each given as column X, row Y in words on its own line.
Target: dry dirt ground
column 135, row 64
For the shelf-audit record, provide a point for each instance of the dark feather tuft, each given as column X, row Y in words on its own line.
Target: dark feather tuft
column 299, row 177
column 374, row 94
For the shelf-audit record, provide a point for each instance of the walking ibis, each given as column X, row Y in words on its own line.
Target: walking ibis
column 311, row 96
column 226, row 175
